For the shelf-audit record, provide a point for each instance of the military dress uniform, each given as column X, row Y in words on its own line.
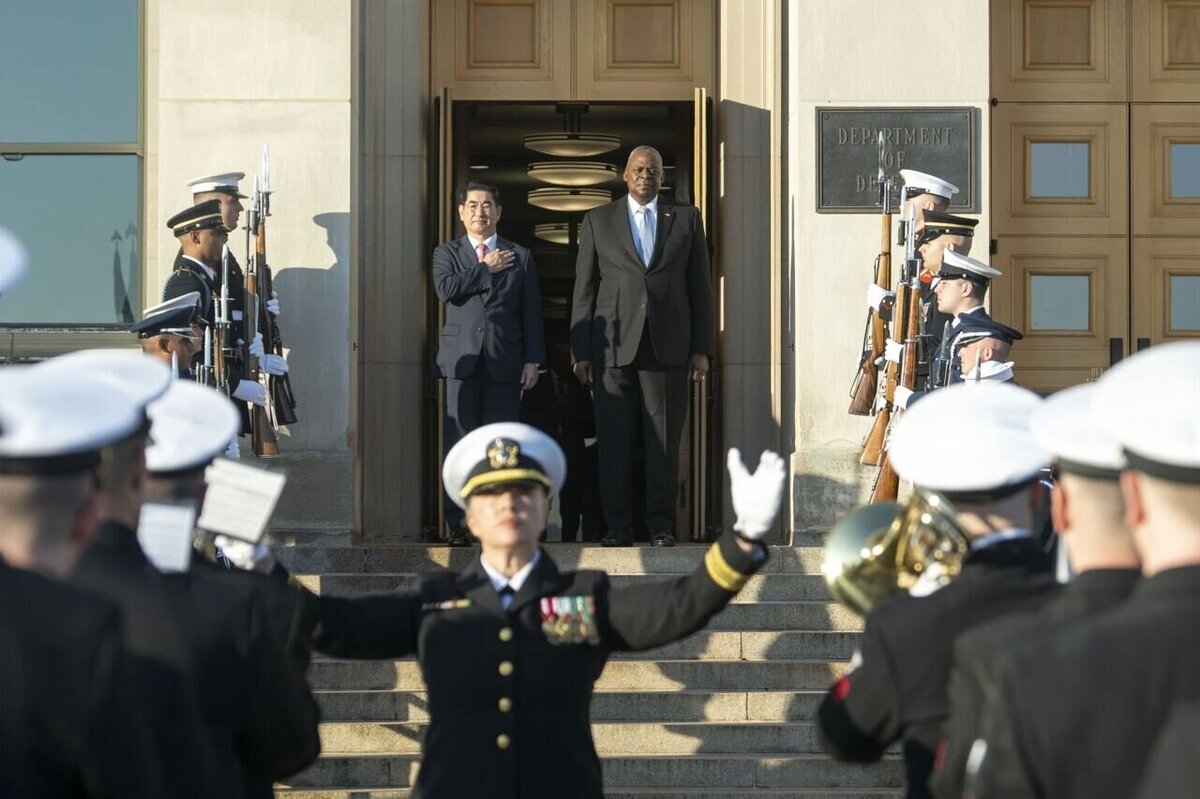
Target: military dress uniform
column 896, row 687
column 1174, row 769
column 1079, row 717
column 510, row 675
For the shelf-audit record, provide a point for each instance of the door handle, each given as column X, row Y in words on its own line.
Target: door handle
column 1116, row 350
column 1142, row 343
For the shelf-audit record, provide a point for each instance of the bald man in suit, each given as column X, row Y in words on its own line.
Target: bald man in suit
column 641, row 323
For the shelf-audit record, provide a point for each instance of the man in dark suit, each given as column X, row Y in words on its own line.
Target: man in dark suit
column 492, row 342
column 641, row 320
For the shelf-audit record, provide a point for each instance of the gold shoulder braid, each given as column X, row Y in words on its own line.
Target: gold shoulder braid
column 449, row 604
column 570, row 619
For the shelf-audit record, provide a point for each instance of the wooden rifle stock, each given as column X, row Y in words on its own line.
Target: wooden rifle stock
column 887, row 482
column 873, row 444
column 262, row 431
column 866, row 384
column 279, row 386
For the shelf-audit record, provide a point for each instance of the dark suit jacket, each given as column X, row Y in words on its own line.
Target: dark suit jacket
column 899, row 690
column 258, row 708
column 473, row 654
column 72, row 722
column 159, row 636
column 494, row 317
column 616, row 296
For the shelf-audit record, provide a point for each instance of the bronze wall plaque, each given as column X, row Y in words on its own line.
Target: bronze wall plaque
column 939, row 141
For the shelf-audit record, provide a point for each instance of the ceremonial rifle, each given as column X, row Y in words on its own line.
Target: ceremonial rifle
column 262, row 429
column 866, row 383
column 887, row 482
column 215, row 355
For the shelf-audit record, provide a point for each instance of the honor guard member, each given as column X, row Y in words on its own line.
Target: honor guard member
column 158, row 624
column 1079, row 716
column 511, row 647
column 203, row 236
column 173, row 332
column 1089, row 517
column 923, row 192
column 972, row 446
column 72, row 723
column 980, row 345
column 259, row 710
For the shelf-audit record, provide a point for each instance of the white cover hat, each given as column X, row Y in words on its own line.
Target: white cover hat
column 14, row 260
column 923, row 183
column 226, row 182
column 142, row 378
column 504, row 452
column 1065, row 425
column 189, row 426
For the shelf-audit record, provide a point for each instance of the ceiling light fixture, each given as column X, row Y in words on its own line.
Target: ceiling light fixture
column 572, row 173
column 569, row 199
column 572, row 142
column 553, row 232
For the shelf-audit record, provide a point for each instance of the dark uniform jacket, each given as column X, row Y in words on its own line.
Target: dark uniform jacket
column 71, row 723
column 258, row 709
column 978, row 650
column 509, row 692
column 158, row 631
column 616, row 296
column 1174, row 769
column 897, row 691
column 494, row 317
column 1078, row 718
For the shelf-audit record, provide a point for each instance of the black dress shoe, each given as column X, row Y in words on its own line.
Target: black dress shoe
column 617, row 538
column 459, row 537
column 662, row 538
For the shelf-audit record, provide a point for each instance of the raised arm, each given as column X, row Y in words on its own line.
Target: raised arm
column 453, row 285
column 380, row 626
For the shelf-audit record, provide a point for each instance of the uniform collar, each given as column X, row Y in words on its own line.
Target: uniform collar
column 207, row 270
column 1104, row 581
column 498, row 580
column 1181, row 581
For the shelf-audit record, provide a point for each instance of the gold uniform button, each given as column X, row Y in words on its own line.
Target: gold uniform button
column 506, row 668
column 506, row 634
column 503, row 741
column 505, row 704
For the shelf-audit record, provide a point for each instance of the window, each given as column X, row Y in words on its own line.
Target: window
column 70, row 172
column 1059, row 302
column 1058, row 169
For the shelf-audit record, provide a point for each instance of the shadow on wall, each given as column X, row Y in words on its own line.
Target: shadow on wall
column 315, row 324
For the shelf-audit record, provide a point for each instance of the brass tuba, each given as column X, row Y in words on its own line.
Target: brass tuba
column 879, row 550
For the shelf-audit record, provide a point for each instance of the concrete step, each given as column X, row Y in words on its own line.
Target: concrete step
column 616, row 560
column 761, row 588
column 619, row 675
column 658, row 706
column 612, row 738
column 641, row 775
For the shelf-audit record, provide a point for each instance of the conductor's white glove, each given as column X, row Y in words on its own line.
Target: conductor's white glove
column 273, row 364
column 232, row 452
column 756, row 497
column 273, row 304
column 877, row 295
column 251, row 391
column 242, row 554
column 256, row 346
column 902, row 396
column 892, row 350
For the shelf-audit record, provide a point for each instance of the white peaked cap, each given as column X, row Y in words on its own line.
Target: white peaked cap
column 928, row 184
column 223, row 181
column 505, row 452
column 957, row 262
column 141, row 377
column 1065, row 425
column 14, row 260
column 1150, row 403
column 189, row 426
column 966, row 438
column 54, row 415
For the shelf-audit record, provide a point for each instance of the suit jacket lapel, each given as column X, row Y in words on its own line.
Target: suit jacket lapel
column 662, row 228
column 501, row 278
column 545, row 580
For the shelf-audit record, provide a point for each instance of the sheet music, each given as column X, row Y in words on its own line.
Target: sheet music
column 240, row 499
column 165, row 534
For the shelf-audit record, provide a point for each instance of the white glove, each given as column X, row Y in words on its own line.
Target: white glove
column 273, row 364
column 251, row 391
column 232, row 452
column 256, row 347
column 892, row 350
column 756, row 497
column 242, row 554
column 877, row 295
column 902, row 396
column 273, row 305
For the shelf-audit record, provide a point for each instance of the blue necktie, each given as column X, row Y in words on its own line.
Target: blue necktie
column 645, row 235
column 506, row 597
